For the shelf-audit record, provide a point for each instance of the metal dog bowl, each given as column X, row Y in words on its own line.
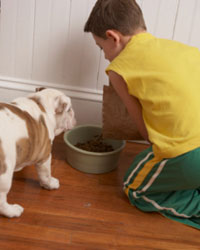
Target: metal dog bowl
column 86, row 161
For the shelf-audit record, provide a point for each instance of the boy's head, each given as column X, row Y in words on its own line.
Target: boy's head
column 112, row 23
column 124, row 16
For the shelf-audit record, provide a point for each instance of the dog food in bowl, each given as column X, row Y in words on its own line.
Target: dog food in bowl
column 90, row 161
column 96, row 144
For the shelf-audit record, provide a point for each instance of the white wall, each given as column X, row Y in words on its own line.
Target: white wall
column 42, row 43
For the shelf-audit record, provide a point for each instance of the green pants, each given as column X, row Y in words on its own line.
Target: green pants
column 169, row 186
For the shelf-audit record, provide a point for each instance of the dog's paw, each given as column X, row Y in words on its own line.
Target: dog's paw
column 53, row 183
column 12, row 210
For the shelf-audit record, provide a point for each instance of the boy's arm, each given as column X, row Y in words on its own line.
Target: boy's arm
column 132, row 104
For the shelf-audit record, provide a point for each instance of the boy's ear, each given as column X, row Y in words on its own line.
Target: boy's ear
column 114, row 35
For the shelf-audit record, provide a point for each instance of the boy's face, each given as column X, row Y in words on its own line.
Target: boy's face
column 109, row 47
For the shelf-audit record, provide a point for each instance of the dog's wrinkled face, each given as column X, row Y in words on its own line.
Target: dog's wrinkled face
column 65, row 118
column 59, row 105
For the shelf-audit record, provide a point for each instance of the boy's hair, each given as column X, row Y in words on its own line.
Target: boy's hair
column 124, row 16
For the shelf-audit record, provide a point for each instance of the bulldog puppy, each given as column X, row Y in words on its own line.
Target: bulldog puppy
column 27, row 129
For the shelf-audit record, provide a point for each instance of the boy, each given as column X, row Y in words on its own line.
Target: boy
column 159, row 82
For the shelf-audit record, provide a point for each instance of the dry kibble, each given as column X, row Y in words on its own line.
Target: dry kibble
column 96, row 144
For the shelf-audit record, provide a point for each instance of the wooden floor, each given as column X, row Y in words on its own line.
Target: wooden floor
column 87, row 212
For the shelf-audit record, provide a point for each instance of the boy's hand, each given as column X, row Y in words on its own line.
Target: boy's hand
column 132, row 104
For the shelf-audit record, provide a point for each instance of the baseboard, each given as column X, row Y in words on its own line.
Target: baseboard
column 16, row 84
column 87, row 103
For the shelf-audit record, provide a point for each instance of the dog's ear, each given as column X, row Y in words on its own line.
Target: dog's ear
column 39, row 89
column 62, row 103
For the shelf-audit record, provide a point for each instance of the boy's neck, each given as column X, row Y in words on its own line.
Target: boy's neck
column 126, row 39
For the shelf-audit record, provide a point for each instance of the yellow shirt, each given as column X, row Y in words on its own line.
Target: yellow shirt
column 165, row 77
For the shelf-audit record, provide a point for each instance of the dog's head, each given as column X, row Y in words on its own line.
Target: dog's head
column 58, row 105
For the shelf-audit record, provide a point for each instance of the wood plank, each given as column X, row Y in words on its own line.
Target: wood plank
column 151, row 10
column 60, row 19
column 82, row 57
column 184, row 21
column 90, row 56
column 43, row 11
column 194, row 36
column 34, row 232
column 9, row 9
column 166, row 18
column 24, row 39
column 136, row 241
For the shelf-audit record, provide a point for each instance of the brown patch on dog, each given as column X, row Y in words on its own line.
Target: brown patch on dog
column 36, row 100
column 40, row 140
column 3, row 166
column 22, row 150
column 37, row 147
column 39, row 89
column 61, row 107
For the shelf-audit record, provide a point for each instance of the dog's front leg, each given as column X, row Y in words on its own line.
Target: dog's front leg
column 44, row 174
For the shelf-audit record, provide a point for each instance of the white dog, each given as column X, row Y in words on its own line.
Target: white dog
column 28, row 126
